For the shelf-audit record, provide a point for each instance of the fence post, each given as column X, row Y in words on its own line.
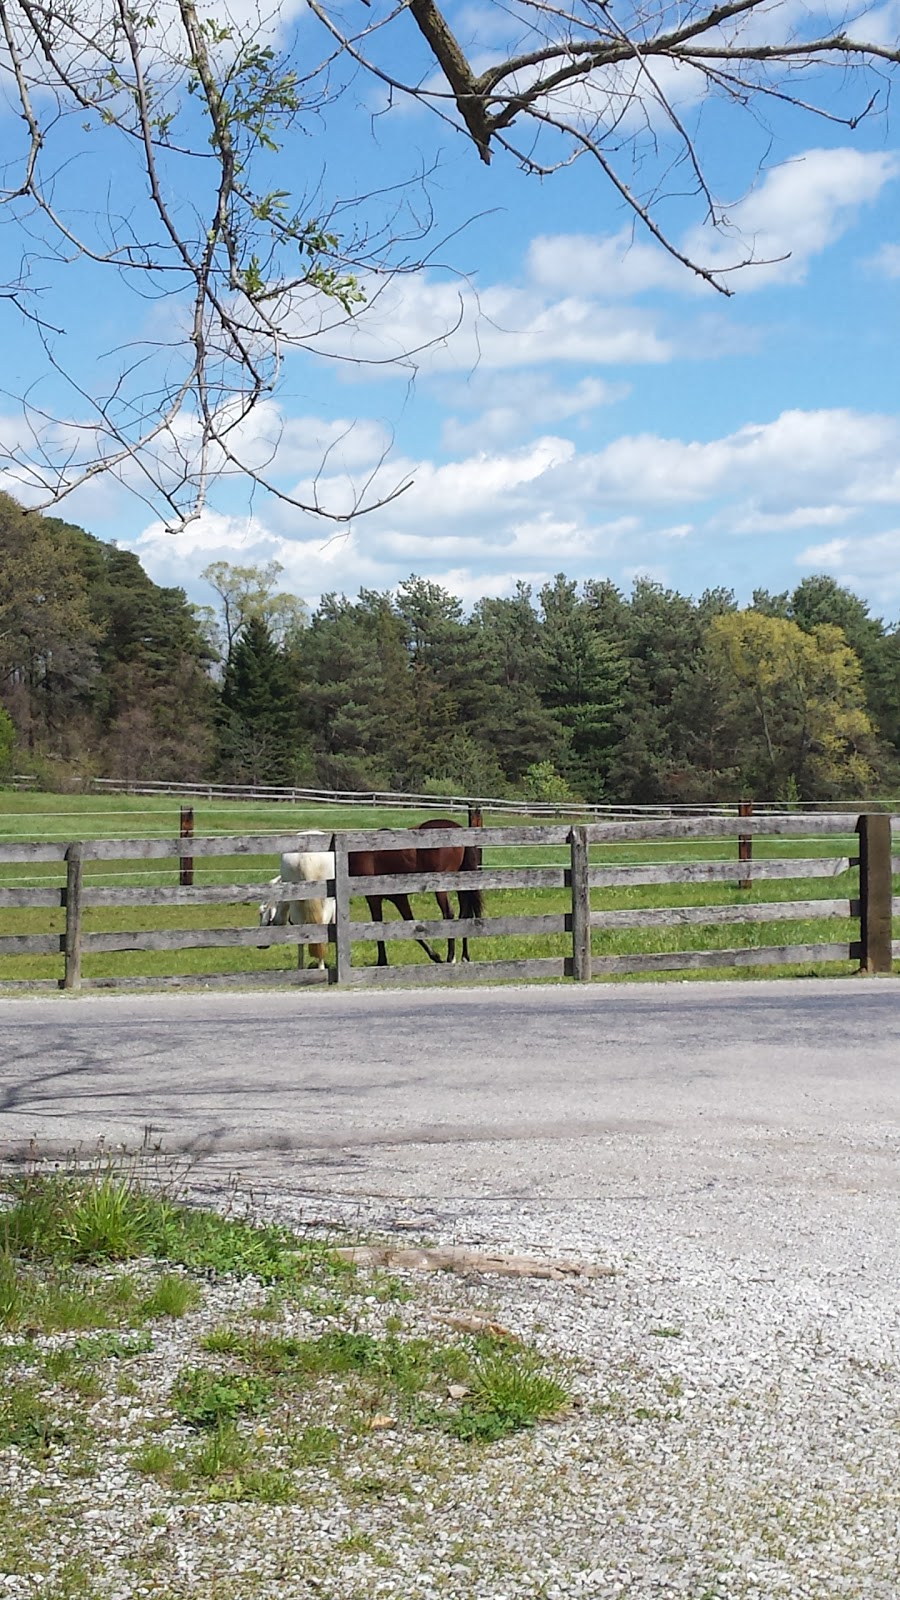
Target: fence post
column 745, row 842
column 72, row 936
column 186, row 863
column 875, row 892
column 581, row 905
column 343, row 949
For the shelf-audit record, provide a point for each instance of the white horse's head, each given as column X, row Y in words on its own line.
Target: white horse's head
column 268, row 911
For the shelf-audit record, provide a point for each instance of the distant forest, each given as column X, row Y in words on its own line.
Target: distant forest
column 576, row 691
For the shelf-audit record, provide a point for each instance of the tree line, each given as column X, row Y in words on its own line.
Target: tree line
column 576, row 691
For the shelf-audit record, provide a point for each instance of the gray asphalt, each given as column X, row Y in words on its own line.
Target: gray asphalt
column 515, row 1091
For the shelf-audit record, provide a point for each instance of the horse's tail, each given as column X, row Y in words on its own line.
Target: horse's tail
column 471, row 901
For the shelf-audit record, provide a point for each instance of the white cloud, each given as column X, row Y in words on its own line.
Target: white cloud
column 568, row 309
column 301, row 444
column 778, row 462
column 546, row 538
column 795, row 212
column 418, row 322
column 869, row 564
column 529, row 402
column 459, row 489
column 756, row 521
column 886, row 261
column 606, row 265
column 798, row 210
column 545, row 507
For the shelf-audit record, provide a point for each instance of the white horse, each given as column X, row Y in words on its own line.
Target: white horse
column 301, row 866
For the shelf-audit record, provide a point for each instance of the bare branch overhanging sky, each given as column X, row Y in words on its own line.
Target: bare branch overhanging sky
column 597, row 409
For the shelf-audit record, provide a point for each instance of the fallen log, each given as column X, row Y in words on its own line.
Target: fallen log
column 457, row 1258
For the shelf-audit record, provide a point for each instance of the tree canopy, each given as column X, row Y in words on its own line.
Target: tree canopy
column 577, row 691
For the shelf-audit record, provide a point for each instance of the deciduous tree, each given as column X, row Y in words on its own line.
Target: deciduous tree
column 799, row 722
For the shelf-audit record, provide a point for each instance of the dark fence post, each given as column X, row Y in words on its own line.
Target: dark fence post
column 343, row 948
column 745, row 842
column 72, row 936
column 186, row 864
column 581, row 905
column 875, row 892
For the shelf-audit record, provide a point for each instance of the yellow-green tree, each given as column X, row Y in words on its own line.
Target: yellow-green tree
column 797, row 719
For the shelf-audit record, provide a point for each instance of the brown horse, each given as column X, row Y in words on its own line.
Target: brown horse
column 414, row 858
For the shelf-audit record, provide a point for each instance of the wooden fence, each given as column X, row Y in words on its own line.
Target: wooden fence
column 574, row 872
column 404, row 800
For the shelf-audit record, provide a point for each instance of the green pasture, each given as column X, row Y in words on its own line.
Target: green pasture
column 66, row 818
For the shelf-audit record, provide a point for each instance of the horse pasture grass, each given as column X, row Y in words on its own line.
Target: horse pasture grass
column 27, row 816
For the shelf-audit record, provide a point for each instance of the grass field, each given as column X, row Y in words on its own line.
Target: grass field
column 30, row 817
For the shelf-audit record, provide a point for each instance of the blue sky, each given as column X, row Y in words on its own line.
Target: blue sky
column 598, row 411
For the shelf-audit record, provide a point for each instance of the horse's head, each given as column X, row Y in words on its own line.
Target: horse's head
column 268, row 911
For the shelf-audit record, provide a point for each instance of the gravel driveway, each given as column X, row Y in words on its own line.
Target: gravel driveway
column 732, row 1150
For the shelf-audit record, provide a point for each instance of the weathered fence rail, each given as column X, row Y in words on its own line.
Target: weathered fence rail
column 581, row 924
column 293, row 794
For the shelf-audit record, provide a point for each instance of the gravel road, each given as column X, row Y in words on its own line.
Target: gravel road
column 732, row 1150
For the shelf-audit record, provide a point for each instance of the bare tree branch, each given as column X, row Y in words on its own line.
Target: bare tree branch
column 605, row 55
column 177, row 117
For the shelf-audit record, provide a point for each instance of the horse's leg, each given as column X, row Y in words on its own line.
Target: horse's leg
column 443, row 900
column 401, row 901
column 374, row 903
column 465, row 943
column 316, row 912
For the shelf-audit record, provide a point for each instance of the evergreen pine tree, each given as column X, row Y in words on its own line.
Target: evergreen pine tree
column 259, row 737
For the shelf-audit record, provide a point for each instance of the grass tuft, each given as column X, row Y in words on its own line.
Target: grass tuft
column 510, row 1391
column 207, row 1400
column 106, row 1216
column 172, row 1296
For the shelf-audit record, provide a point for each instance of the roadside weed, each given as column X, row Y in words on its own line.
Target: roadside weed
column 106, row 1216
column 312, row 1445
column 510, row 1390
column 222, row 1450
column 315, row 1389
column 109, row 1345
column 205, row 1399
column 27, row 1421
column 154, row 1459
column 172, row 1296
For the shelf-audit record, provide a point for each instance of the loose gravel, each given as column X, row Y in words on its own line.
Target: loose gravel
column 736, row 1432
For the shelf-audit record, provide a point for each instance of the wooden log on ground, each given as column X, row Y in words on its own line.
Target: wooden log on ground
column 457, row 1258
